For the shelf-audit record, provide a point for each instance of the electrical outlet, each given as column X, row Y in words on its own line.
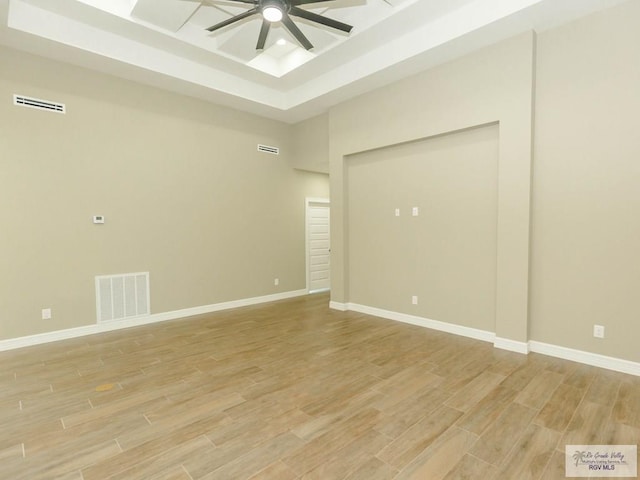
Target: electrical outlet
column 415, row 211
column 414, row 300
column 598, row 331
column 46, row 313
column 397, row 212
column 276, row 281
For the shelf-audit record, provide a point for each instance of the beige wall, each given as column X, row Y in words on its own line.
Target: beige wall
column 446, row 255
column 583, row 180
column 586, row 196
column 310, row 149
column 491, row 86
column 185, row 194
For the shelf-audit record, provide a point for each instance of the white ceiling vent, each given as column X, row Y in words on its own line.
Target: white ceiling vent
column 268, row 149
column 23, row 101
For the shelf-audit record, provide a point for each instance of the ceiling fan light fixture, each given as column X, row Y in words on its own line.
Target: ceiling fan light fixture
column 272, row 13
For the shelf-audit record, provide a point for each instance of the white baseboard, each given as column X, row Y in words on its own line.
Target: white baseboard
column 594, row 359
column 424, row 322
column 216, row 307
column 588, row 358
column 338, row 306
column 13, row 343
column 511, row 345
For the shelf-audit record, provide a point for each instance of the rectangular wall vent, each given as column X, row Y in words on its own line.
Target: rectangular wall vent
column 122, row 296
column 23, row 101
column 268, row 149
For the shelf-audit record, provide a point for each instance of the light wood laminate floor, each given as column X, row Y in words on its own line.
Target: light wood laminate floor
column 294, row 390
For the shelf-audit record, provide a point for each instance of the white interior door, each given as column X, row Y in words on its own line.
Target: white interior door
column 318, row 245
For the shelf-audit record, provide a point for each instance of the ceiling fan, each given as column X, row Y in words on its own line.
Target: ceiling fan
column 281, row 11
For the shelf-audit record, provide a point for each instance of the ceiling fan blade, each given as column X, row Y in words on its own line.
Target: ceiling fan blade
column 213, row 3
column 264, row 31
column 304, row 2
column 231, row 20
column 295, row 31
column 314, row 17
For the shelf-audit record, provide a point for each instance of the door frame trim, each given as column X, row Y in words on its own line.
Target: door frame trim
column 307, row 202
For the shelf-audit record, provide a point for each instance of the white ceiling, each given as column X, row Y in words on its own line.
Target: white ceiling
column 164, row 43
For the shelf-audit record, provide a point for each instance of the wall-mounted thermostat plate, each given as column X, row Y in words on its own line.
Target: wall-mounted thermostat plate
column 98, row 219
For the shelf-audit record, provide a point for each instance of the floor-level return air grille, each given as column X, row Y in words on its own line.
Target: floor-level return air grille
column 122, row 296
column 23, row 101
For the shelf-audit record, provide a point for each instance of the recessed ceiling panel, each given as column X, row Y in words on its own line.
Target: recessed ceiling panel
column 240, row 43
column 167, row 14
column 320, row 36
